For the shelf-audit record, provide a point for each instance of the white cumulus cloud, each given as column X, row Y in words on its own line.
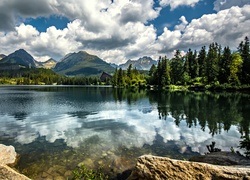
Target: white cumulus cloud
column 176, row 3
column 117, row 30
column 227, row 27
column 226, row 4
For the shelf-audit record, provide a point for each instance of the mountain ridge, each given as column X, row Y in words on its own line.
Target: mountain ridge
column 2, row 56
column 19, row 57
column 73, row 64
column 143, row 63
column 49, row 64
column 82, row 63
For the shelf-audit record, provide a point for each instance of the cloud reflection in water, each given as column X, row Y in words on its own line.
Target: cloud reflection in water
column 129, row 128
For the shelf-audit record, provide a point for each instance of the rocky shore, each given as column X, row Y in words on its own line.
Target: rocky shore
column 8, row 158
column 216, row 165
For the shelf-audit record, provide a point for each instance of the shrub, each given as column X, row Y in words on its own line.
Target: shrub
column 245, row 143
column 82, row 173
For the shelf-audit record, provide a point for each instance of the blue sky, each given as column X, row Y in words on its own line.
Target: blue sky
column 119, row 30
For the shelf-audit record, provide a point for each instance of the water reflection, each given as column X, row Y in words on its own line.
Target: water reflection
column 74, row 115
column 98, row 125
column 216, row 111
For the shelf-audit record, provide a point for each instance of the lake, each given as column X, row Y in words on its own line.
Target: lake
column 56, row 128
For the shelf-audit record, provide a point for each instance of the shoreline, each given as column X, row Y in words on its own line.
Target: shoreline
column 163, row 167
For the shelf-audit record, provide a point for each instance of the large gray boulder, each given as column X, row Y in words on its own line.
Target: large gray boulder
column 8, row 157
column 158, row 168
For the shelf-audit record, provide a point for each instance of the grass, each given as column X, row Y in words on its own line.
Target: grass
column 83, row 173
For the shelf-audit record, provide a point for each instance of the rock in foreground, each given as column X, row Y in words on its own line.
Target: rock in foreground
column 8, row 157
column 152, row 167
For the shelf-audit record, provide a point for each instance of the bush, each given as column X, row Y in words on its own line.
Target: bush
column 85, row 174
column 245, row 143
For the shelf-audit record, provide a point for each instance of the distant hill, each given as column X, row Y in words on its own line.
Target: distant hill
column 19, row 57
column 82, row 63
column 49, row 64
column 143, row 63
column 2, row 56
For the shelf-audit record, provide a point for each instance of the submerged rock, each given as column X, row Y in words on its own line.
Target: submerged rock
column 154, row 168
column 8, row 157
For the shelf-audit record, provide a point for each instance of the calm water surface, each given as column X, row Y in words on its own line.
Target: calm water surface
column 56, row 128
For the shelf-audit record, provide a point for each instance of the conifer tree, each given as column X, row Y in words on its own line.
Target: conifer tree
column 177, row 66
column 245, row 54
column 235, row 69
column 224, row 65
column 120, row 78
column 212, row 68
column 201, row 61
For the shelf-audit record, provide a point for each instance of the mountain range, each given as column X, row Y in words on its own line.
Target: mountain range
column 73, row 64
column 143, row 63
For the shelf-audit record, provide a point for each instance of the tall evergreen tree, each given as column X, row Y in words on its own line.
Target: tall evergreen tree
column 224, row 65
column 158, row 75
column 129, row 71
column 166, row 79
column 235, row 69
column 192, row 64
column 177, row 67
column 115, row 78
column 120, row 78
column 245, row 54
column 201, row 61
column 152, row 74
column 212, row 68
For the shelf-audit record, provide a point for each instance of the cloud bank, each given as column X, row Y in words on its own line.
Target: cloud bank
column 117, row 30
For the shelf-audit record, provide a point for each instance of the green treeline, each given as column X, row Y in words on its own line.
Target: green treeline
column 215, row 67
column 40, row 76
column 129, row 78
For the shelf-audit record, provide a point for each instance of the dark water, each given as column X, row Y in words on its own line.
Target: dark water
column 55, row 128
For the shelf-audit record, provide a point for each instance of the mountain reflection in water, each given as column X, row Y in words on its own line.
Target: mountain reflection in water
column 63, row 126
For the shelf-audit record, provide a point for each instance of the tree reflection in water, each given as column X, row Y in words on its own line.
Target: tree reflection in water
column 215, row 110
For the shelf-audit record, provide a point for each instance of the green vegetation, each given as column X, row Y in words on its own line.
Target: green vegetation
column 245, row 144
column 213, row 69
column 210, row 70
column 130, row 78
column 40, row 76
column 29, row 76
column 88, row 174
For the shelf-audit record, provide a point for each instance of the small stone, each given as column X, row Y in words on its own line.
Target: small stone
column 87, row 162
column 100, row 162
column 44, row 175
column 104, row 154
column 110, row 153
column 68, row 174
column 59, row 178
